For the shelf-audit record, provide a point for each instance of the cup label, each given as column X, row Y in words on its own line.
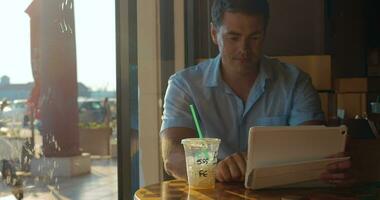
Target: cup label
column 202, row 173
column 202, row 161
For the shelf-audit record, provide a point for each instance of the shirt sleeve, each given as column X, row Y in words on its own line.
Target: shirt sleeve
column 306, row 104
column 176, row 105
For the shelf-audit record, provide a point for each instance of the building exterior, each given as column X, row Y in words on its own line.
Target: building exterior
column 14, row 91
column 22, row 91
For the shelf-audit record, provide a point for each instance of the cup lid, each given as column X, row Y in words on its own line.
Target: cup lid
column 200, row 140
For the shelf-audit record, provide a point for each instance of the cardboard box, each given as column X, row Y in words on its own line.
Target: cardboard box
column 317, row 66
column 351, row 85
column 352, row 103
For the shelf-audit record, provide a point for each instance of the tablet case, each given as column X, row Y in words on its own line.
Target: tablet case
column 279, row 156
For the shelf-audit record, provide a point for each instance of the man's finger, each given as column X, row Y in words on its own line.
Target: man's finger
column 342, row 183
column 224, row 171
column 244, row 154
column 342, row 165
column 218, row 175
column 240, row 162
column 233, row 168
column 336, row 176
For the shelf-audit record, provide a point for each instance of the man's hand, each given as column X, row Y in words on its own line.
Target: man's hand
column 338, row 173
column 173, row 153
column 232, row 168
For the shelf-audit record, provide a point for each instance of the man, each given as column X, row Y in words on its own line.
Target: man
column 107, row 112
column 238, row 89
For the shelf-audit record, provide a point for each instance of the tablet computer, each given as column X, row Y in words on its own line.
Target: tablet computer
column 291, row 154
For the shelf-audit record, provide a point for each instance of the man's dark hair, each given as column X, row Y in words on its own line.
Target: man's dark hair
column 249, row 7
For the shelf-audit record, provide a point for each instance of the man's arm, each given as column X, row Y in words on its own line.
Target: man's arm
column 173, row 153
column 232, row 168
column 176, row 114
column 306, row 103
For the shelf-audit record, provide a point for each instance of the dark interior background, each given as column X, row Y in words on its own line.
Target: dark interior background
column 348, row 30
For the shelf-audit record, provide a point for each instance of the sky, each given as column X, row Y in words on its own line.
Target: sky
column 95, row 39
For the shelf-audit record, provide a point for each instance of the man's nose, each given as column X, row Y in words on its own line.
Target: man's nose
column 244, row 46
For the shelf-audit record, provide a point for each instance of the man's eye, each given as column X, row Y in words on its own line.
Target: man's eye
column 233, row 38
column 258, row 37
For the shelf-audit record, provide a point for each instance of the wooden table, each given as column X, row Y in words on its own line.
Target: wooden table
column 176, row 189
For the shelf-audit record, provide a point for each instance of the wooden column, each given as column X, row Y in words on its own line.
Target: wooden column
column 53, row 38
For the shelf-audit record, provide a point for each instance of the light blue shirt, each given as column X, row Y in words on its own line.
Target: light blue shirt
column 281, row 95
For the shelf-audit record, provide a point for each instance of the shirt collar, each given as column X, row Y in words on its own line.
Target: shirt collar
column 212, row 77
column 266, row 71
column 212, row 73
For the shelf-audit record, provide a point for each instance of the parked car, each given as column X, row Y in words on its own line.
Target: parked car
column 15, row 111
column 91, row 111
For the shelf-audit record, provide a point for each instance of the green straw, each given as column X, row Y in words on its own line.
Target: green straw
column 194, row 113
column 200, row 135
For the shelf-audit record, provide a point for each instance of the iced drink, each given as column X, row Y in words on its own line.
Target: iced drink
column 201, row 158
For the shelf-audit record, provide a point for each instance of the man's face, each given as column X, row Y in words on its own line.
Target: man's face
column 240, row 40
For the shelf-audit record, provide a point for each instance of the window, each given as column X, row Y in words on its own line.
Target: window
column 58, row 99
column 70, row 71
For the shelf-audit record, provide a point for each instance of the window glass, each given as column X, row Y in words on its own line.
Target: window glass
column 58, row 99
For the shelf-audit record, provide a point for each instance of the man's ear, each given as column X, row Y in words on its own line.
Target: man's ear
column 214, row 33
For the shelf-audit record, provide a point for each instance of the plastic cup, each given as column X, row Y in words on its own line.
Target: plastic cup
column 201, row 159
